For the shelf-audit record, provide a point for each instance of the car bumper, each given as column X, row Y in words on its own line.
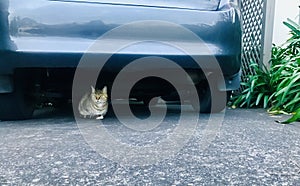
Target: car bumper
column 33, row 39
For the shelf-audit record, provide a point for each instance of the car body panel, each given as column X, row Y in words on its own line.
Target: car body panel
column 55, row 34
column 176, row 4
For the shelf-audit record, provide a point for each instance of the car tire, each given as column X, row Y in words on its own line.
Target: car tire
column 211, row 100
column 19, row 104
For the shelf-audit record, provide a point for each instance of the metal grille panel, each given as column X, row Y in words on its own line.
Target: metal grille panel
column 253, row 15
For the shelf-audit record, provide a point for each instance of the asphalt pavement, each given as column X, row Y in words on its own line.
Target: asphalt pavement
column 246, row 148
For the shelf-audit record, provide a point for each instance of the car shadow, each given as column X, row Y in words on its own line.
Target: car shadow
column 138, row 109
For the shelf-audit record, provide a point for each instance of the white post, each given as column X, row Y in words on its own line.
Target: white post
column 268, row 25
column 299, row 12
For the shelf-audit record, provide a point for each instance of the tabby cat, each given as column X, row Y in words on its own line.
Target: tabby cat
column 94, row 104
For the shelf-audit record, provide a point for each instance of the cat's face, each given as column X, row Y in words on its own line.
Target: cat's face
column 99, row 96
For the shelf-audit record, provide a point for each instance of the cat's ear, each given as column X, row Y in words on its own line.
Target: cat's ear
column 104, row 90
column 93, row 89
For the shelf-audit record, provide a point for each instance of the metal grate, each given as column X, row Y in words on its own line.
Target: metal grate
column 253, row 16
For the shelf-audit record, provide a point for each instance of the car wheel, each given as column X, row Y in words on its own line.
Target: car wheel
column 211, row 100
column 18, row 104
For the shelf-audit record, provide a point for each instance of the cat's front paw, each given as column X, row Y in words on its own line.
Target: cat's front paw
column 100, row 117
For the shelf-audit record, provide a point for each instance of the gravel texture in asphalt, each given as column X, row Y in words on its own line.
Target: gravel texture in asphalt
column 247, row 148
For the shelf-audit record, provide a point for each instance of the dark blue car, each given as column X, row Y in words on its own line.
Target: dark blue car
column 42, row 42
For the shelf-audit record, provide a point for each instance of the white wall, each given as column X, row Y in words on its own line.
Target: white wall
column 284, row 9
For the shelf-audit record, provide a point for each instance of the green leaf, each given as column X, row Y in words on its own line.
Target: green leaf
column 283, row 83
column 266, row 99
column 294, row 118
column 293, row 26
column 289, row 86
column 281, row 91
column 260, row 95
column 295, row 100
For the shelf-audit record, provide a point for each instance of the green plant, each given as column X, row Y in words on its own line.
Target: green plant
column 276, row 88
column 256, row 89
